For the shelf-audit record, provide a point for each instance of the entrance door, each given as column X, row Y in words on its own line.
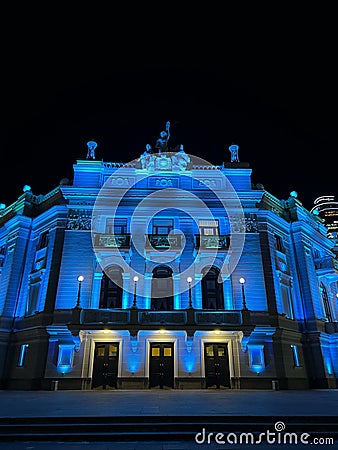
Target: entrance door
column 217, row 371
column 161, row 370
column 105, row 368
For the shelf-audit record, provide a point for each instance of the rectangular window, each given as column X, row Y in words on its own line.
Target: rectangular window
column 117, row 225
column 112, row 350
column 22, row 355
column 155, row 351
column 208, row 227
column 33, row 297
column 256, row 357
column 162, row 226
column 279, row 243
column 2, row 255
column 167, row 351
column 65, row 356
column 287, row 302
column 295, row 355
column 209, row 350
column 43, row 240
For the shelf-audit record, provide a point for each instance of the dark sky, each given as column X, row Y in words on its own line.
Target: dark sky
column 274, row 95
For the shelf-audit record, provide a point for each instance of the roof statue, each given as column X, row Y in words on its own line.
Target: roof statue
column 162, row 142
column 147, row 159
column 91, row 149
column 180, row 160
column 234, row 153
column 164, row 158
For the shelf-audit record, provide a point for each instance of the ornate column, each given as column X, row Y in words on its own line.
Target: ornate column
column 197, row 291
column 95, row 298
column 126, row 296
column 177, row 296
column 147, row 290
column 227, row 293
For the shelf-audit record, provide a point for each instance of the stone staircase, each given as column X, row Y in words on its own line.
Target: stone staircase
column 167, row 428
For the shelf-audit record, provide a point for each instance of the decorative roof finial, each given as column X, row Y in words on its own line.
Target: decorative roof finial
column 91, row 149
column 234, row 153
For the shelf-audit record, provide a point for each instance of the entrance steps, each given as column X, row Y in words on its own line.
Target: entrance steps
column 161, row 428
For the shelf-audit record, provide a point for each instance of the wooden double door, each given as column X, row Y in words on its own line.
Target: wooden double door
column 217, row 373
column 106, row 363
column 161, row 365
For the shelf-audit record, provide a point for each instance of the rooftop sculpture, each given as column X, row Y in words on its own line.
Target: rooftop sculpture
column 234, row 153
column 162, row 142
column 91, row 149
column 164, row 158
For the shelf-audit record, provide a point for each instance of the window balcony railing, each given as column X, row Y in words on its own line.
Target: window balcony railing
column 218, row 242
column 218, row 318
column 162, row 318
column 110, row 241
column 163, row 241
column 145, row 317
column 104, row 316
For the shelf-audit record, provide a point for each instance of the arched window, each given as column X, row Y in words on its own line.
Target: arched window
column 111, row 290
column 212, row 290
column 326, row 303
column 162, row 289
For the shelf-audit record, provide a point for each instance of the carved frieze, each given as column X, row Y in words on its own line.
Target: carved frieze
column 165, row 161
column 246, row 224
column 79, row 219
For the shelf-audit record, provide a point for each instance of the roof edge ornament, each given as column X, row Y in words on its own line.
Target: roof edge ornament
column 234, row 153
column 91, row 149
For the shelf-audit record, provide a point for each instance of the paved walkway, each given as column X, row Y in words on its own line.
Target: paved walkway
column 168, row 403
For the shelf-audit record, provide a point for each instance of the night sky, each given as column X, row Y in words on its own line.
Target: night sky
column 274, row 95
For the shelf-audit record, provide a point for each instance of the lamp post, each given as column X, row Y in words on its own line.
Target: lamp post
column 79, row 279
column 189, row 280
column 242, row 281
column 135, row 282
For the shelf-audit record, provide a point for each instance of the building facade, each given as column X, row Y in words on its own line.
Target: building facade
column 165, row 272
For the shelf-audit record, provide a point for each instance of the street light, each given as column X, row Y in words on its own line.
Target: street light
column 189, row 280
column 242, row 281
column 80, row 278
column 135, row 282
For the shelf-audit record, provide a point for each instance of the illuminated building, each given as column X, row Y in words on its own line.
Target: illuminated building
column 327, row 209
column 121, row 279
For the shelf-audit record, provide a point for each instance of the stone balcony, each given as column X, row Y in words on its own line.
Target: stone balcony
column 218, row 242
column 163, row 241
column 190, row 319
column 104, row 241
column 160, row 242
